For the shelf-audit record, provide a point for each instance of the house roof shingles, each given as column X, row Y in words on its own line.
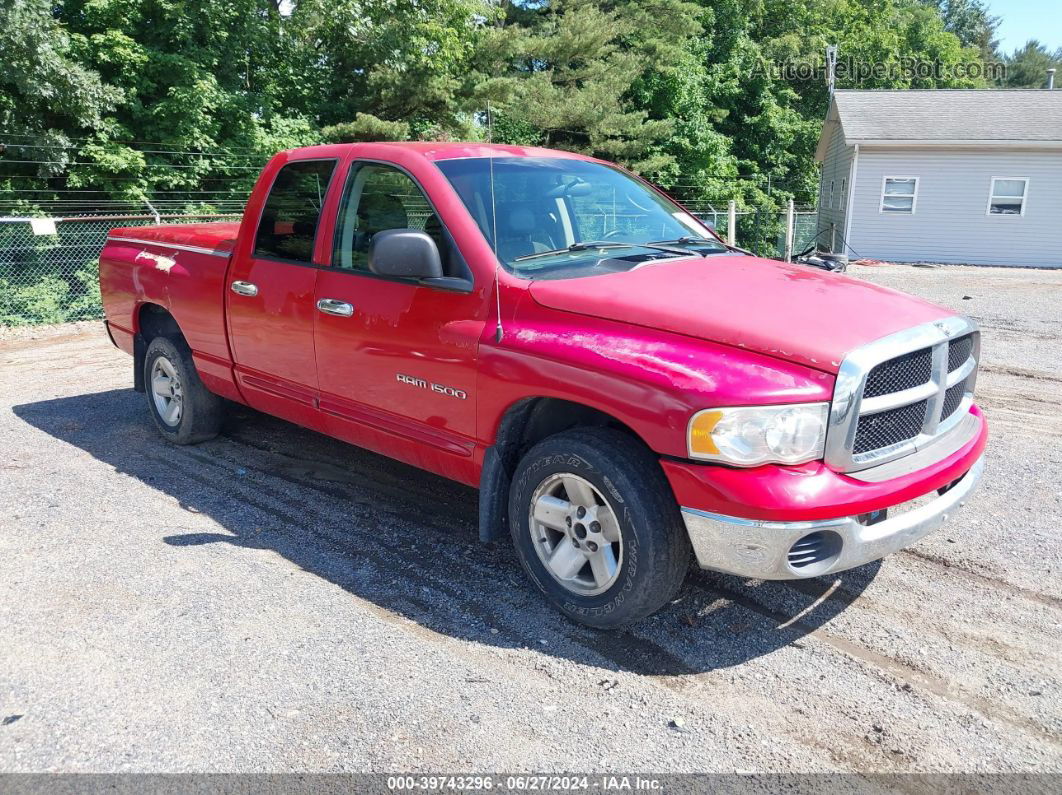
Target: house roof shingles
column 983, row 115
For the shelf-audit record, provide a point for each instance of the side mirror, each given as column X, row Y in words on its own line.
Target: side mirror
column 406, row 253
column 709, row 224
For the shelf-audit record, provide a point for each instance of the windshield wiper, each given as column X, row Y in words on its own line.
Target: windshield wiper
column 685, row 240
column 688, row 239
column 584, row 245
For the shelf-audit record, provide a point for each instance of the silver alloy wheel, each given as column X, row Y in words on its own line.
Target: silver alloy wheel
column 166, row 391
column 576, row 534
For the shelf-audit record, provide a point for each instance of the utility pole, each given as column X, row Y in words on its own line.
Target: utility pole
column 831, row 67
column 790, row 222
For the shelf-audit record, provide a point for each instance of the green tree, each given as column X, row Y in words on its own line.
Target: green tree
column 568, row 75
column 138, row 97
column 403, row 61
column 200, row 92
column 1027, row 66
column 767, row 118
column 972, row 23
column 47, row 97
column 365, row 127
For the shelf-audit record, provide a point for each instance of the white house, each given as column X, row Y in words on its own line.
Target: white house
column 960, row 176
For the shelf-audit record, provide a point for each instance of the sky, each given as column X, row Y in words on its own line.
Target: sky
column 1022, row 20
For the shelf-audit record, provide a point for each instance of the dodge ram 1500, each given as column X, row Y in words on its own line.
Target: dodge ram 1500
column 622, row 386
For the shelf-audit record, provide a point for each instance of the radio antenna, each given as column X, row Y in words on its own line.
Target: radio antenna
column 498, row 332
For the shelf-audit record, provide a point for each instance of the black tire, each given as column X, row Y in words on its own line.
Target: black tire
column 655, row 546
column 200, row 412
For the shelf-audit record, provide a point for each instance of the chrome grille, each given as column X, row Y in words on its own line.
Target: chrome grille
column 901, row 393
column 900, row 373
column 952, row 400
column 959, row 351
column 890, row 427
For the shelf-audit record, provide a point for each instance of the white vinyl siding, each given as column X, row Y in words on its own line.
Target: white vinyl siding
column 1007, row 196
column 899, row 195
column 835, row 170
column 951, row 224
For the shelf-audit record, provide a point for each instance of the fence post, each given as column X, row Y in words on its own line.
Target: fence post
column 790, row 220
column 731, row 222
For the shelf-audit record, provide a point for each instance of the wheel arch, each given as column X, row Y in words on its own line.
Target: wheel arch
column 522, row 425
column 151, row 320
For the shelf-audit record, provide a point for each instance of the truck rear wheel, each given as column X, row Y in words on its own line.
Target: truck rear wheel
column 596, row 527
column 184, row 410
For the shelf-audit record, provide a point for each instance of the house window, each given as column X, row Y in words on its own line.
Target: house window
column 844, row 192
column 899, row 195
column 830, row 202
column 1007, row 196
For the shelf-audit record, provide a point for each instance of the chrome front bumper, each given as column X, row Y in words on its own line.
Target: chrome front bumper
column 761, row 550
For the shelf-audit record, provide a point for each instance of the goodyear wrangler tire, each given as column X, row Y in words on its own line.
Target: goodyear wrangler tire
column 184, row 410
column 596, row 527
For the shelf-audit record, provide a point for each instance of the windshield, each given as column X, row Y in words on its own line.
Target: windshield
column 561, row 218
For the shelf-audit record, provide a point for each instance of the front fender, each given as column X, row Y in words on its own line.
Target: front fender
column 650, row 380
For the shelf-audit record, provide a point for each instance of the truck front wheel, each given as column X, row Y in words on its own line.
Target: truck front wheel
column 184, row 410
column 596, row 527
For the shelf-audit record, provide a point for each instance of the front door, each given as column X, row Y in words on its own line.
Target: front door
column 396, row 361
column 270, row 296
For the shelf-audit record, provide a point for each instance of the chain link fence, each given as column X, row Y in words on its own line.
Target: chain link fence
column 763, row 231
column 805, row 231
column 49, row 267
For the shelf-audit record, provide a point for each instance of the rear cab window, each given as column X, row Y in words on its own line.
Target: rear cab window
column 291, row 216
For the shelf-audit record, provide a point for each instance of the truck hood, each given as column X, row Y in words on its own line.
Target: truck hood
column 792, row 312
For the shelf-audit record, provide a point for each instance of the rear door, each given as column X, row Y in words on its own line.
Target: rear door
column 270, row 295
column 396, row 359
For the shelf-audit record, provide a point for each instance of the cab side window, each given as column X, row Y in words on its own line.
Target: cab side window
column 292, row 211
column 379, row 197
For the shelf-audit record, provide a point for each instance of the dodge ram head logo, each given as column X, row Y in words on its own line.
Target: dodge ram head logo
column 441, row 389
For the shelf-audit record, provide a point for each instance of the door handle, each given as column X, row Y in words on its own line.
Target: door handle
column 244, row 288
column 331, row 306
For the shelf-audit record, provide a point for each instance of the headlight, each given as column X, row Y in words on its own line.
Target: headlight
column 751, row 435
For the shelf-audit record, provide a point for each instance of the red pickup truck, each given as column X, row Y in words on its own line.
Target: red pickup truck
column 621, row 385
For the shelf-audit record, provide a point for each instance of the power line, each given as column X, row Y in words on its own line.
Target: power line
column 129, row 180
column 143, row 165
column 185, row 153
column 90, row 138
column 151, row 192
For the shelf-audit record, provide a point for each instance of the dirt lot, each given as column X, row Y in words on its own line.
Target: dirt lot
column 275, row 600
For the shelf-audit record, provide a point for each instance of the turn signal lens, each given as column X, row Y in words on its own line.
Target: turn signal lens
column 753, row 435
column 701, row 427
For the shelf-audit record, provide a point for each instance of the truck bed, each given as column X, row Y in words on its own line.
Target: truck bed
column 180, row 268
column 217, row 236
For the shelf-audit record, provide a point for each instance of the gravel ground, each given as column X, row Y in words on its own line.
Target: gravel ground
column 274, row 600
